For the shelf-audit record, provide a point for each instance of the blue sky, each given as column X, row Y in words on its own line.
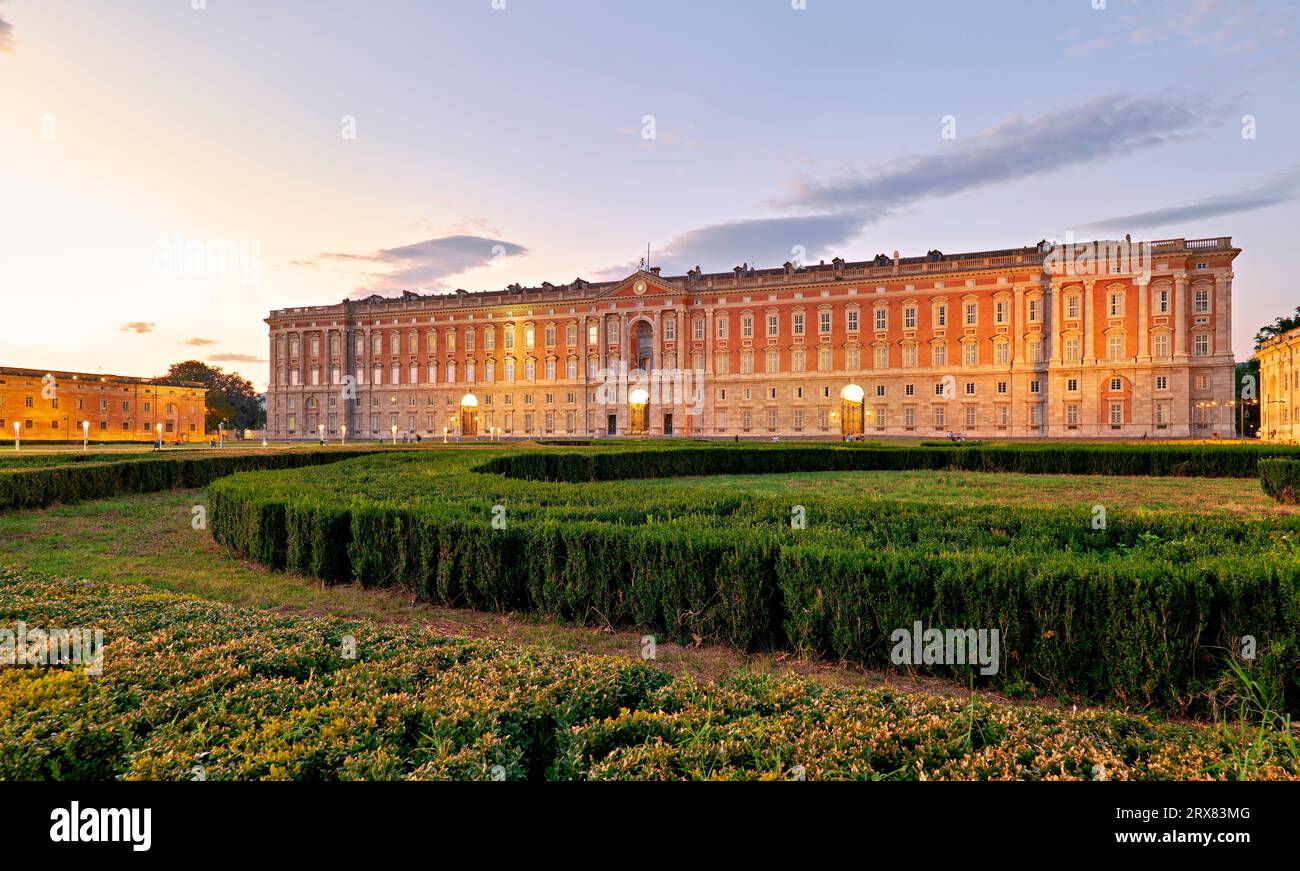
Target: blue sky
column 501, row 145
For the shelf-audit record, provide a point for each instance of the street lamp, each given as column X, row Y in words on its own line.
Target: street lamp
column 394, row 433
column 444, row 435
column 320, row 431
column 344, row 431
column 158, row 440
column 85, row 435
column 18, row 442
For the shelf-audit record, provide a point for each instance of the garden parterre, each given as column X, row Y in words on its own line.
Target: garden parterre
column 190, row 688
column 1144, row 610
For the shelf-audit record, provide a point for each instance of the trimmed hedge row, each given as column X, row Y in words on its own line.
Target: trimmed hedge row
column 1212, row 461
column 251, row 695
column 1280, row 478
column 42, row 486
column 1143, row 612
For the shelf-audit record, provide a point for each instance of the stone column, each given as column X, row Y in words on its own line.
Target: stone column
column 1144, row 321
column 1223, row 315
column 1053, row 333
column 1180, row 316
column 1089, row 315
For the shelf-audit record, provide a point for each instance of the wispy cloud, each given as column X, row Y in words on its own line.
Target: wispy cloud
column 423, row 264
column 6, row 36
column 1215, row 25
column 1279, row 189
column 1102, row 128
column 830, row 213
column 235, row 358
column 198, row 343
column 139, row 327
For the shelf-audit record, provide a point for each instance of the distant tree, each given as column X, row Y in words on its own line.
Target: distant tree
column 1278, row 327
column 230, row 396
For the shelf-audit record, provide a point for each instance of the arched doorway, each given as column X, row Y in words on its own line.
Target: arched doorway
column 639, row 408
column 469, row 415
column 643, row 342
column 851, row 410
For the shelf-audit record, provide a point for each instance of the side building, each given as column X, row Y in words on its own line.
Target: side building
column 1279, row 388
column 1089, row 340
column 42, row 405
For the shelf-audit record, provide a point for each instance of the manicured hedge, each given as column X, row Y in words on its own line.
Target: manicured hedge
column 1142, row 611
column 1280, row 479
column 250, row 695
column 23, row 487
column 1225, row 461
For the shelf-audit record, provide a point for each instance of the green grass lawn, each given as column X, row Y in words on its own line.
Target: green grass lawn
column 1237, row 496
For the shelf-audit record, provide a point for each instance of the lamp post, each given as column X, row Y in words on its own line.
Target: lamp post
column 394, row 433
column 444, row 435
column 320, row 432
column 18, row 441
column 158, row 439
column 85, row 435
column 344, row 438
column 221, row 434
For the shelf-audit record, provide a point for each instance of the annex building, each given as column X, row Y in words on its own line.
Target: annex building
column 48, row 405
column 1089, row 340
column 1279, row 397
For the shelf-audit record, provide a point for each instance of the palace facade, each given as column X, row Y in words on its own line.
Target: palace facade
column 1045, row 341
column 48, row 405
column 1279, row 396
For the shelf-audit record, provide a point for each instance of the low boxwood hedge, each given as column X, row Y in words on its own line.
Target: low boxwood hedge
column 1145, row 611
column 1280, row 478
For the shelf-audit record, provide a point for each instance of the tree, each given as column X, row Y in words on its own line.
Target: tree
column 1279, row 326
column 230, row 396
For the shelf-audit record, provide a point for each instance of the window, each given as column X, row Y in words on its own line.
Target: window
column 549, row 334
column 972, row 311
column 941, row 316
column 1162, row 302
column 593, row 334
column 530, row 369
column 773, row 325
column 1115, row 305
column 1002, row 388
column 746, row 362
column 1162, row 413
column 1033, row 311
column 1114, row 347
column 1116, row 413
column 970, row 416
column 747, row 326
column 909, row 356
column 722, row 328
column 1161, row 348
column 1116, row 385
column 909, row 317
column 1034, row 350
column 1072, row 307
column 1072, row 349
column 940, row 417
column 1201, row 301
column 909, row 390
column 395, row 343
column 1162, row 382
column 909, row 417
column 1072, row 385
column 940, row 354
column 1002, row 353
column 1035, row 386
column 1201, row 344
column 699, row 329
column 1000, row 312
column 881, row 357
column 824, row 322
column 1072, row 415
column 773, row 360
column 970, row 354
column 882, row 318
column 670, row 330
column 798, row 419
column 550, row 368
column 796, row 360
column 824, row 359
column 530, row 337
column 970, row 388
column 508, row 337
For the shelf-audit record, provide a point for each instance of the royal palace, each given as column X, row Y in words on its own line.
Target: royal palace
column 1089, row 340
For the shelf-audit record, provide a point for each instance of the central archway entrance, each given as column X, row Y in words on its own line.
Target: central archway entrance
column 643, row 345
column 851, row 410
column 639, row 411
column 469, row 415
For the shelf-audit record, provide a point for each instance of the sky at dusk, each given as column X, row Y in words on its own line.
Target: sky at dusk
column 337, row 149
